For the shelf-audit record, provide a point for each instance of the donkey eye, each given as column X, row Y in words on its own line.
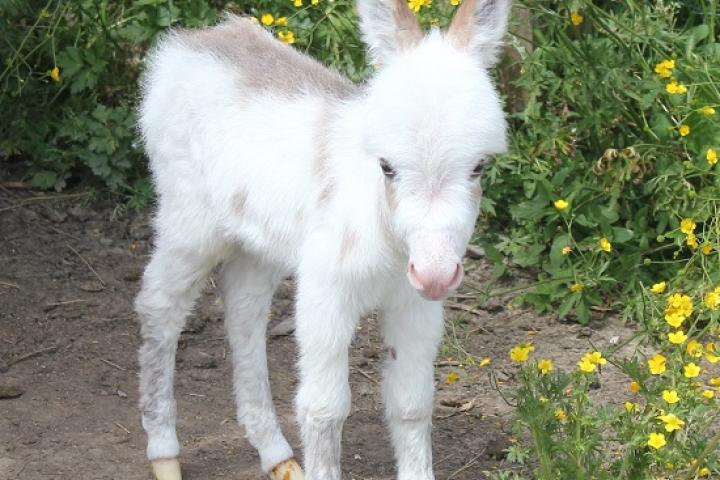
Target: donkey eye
column 477, row 171
column 387, row 169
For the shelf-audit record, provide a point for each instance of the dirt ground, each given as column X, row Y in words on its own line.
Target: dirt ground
column 69, row 270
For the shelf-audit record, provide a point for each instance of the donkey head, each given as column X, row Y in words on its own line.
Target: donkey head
column 432, row 119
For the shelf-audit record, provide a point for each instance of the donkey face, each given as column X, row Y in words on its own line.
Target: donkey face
column 433, row 118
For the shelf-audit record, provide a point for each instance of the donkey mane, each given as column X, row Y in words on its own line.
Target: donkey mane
column 263, row 62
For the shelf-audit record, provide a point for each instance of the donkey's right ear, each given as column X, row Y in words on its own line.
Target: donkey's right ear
column 388, row 27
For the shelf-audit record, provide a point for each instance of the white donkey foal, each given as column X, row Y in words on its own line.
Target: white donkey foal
column 271, row 164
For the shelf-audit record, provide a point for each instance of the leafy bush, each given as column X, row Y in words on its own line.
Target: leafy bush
column 665, row 427
column 616, row 146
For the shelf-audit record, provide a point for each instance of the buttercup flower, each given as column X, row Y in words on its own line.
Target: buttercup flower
column 675, row 88
column 634, row 387
column 687, row 226
column 287, row 36
column 679, row 307
column 576, row 287
column 708, row 111
column 714, row 381
column 658, row 287
column 630, row 406
column 281, row 21
column 692, row 241
column 521, row 352
column 656, row 440
column 561, row 204
column 712, row 299
column 670, row 396
column 691, row 370
column 704, row 472
column 451, row 378
column 694, row 348
column 416, row 4
column 656, row 364
column 298, row 3
column 576, row 18
column 711, row 156
column 605, row 244
column 709, row 394
column 677, row 337
column 711, row 356
column 664, row 68
column 484, row 362
column 684, row 130
column 55, row 74
column 267, row 19
column 566, row 250
column 455, row 3
column 707, row 248
column 590, row 361
column 671, row 422
column 545, row 366
column 560, row 414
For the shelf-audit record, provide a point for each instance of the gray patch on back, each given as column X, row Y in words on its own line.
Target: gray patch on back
column 264, row 62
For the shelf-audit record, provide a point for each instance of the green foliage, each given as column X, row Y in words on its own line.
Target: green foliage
column 664, row 428
column 602, row 132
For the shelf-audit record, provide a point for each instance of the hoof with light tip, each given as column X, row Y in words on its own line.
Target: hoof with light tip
column 287, row 470
column 166, row 469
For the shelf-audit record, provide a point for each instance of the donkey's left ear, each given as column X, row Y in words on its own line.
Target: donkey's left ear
column 479, row 26
column 388, row 27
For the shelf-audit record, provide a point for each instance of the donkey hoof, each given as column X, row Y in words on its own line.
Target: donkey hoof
column 287, row 470
column 166, row 469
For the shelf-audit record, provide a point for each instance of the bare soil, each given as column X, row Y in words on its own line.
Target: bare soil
column 69, row 270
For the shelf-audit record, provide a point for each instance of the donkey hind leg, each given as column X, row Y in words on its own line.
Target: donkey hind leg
column 247, row 288
column 171, row 283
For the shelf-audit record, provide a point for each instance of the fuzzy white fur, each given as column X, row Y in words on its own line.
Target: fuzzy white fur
column 286, row 180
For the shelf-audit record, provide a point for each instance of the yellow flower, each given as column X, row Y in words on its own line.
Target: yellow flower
column 630, row 406
column 656, row 440
column 298, row 3
column 576, row 287
column 692, row 241
column 664, row 68
column 684, row 130
column 712, row 299
column 714, row 381
column 287, row 36
column 677, row 337
column 694, row 348
column 656, row 364
column 679, row 307
column 455, row 3
column 671, row 422
column 709, row 394
column 605, row 244
column 561, row 204
column 711, row 156
column 267, row 19
column 687, row 226
column 314, row 2
column 590, row 361
column 675, row 88
column 545, row 366
column 707, row 248
column 485, row 362
column 704, row 472
column 576, row 18
column 691, row 370
column 566, row 250
column 674, row 319
column 281, row 21
column 634, row 387
column 708, row 111
column 55, row 74
column 452, row 377
column 711, row 355
column 416, row 4
column 521, row 352
column 560, row 414
column 670, row 396
column 658, row 287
